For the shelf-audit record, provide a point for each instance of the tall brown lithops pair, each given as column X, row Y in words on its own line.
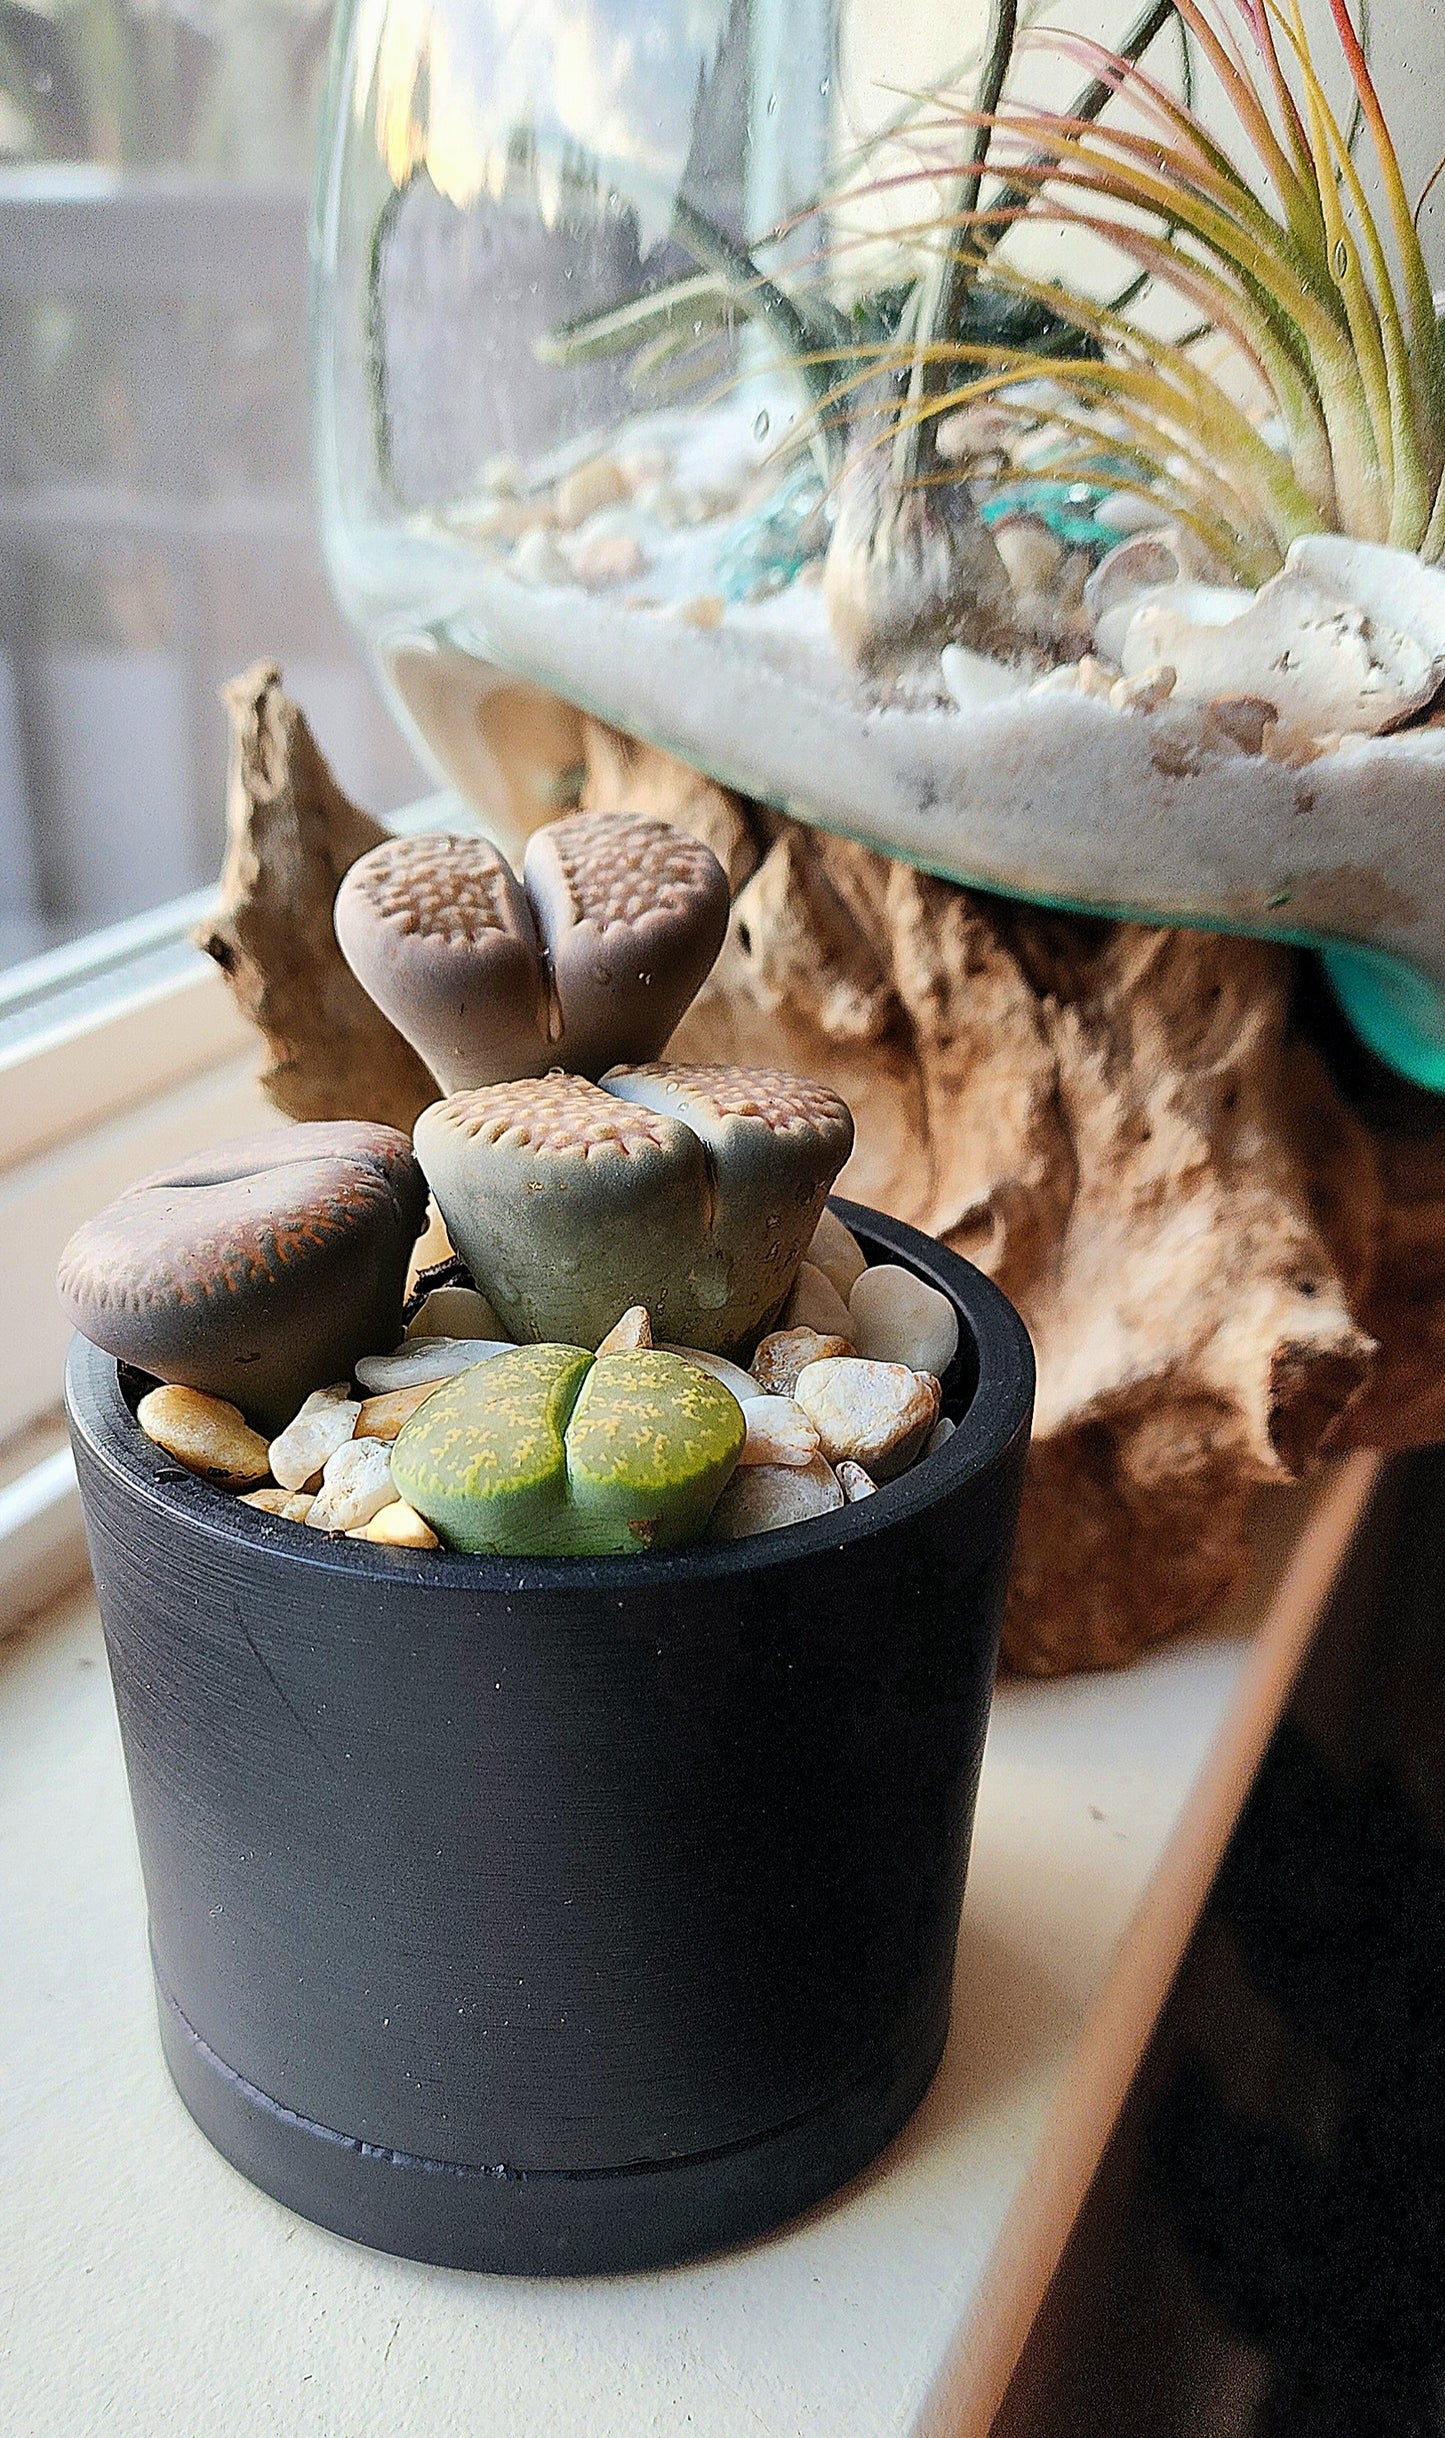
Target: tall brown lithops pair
column 576, row 1174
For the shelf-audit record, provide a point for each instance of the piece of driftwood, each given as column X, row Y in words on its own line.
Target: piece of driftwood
column 290, row 835
column 1120, row 1125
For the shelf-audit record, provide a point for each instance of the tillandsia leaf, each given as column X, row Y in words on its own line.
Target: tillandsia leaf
column 1279, row 284
column 1190, row 492
column 1185, row 131
column 1096, row 95
column 686, row 306
column 1230, row 309
column 1373, row 305
column 1349, row 283
column 1258, row 481
column 1423, row 324
column 943, row 294
column 1256, row 17
column 1291, row 172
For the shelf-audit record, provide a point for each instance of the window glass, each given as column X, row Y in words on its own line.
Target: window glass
column 156, row 522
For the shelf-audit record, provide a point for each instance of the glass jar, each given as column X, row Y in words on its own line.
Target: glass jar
column 631, row 393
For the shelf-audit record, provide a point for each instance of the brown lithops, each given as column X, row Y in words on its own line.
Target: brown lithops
column 254, row 1271
column 593, row 958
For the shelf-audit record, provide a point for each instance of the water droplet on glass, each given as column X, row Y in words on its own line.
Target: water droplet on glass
column 761, row 424
column 826, row 87
column 772, row 104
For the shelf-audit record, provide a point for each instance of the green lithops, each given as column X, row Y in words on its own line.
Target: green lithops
column 694, row 1190
column 552, row 1452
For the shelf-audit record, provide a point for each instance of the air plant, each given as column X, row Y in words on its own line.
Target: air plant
column 1281, row 257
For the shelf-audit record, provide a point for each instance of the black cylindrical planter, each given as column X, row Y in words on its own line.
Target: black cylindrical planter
column 562, row 1915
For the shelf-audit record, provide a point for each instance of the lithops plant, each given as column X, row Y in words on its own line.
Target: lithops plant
column 257, row 1270
column 551, row 1451
column 592, row 958
column 696, row 1189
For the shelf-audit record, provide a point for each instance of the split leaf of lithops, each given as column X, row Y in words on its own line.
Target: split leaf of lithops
column 593, row 957
column 693, row 1189
column 552, row 1452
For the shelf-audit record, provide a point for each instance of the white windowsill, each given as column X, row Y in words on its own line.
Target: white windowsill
column 148, row 2288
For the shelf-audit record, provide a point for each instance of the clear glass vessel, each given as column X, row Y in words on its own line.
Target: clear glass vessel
column 657, row 368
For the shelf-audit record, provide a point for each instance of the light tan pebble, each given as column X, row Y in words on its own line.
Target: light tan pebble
column 816, row 1304
column 1058, row 681
column 418, row 1359
column 206, row 1435
column 504, row 520
column 356, row 1483
column 456, row 1312
column 854, row 1482
column 717, row 1367
column 645, row 464
column 326, row 1421
column 293, row 1506
column 580, row 494
column 537, row 560
column 779, row 1432
column 1095, row 677
column 786, row 1352
column 702, row 502
column 835, row 1251
column 631, row 1335
column 432, row 1245
column 877, row 1413
column 662, row 501
column 897, row 1318
column 1030, row 553
column 1145, row 691
column 940, row 1435
column 1238, row 721
column 763, row 1498
column 608, row 558
column 384, row 1416
column 397, row 1526
column 703, row 610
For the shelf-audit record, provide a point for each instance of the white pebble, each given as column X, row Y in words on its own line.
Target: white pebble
column 355, row 1486
column 897, row 1318
column 879, row 1414
column 779, row 1432
column 325, row 1423
column 419, row 1359
column 816, row 1304
column 940, row 1435
column 456, row 1312
column 662, row 501
column 537, row 560
column 718, row 1367
column 608, row 558
column 854, row 1482
column 835, row 1251
column 763, row 1498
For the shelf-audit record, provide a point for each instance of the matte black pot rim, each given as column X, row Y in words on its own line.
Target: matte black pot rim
column 997, row 1413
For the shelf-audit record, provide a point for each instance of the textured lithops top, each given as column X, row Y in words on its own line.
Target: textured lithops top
column 694, row 1190
column 550, row 1452
column 595, row 957
column 255, row 1270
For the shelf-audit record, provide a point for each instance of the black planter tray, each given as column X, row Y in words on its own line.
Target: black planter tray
column 559, row 1915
